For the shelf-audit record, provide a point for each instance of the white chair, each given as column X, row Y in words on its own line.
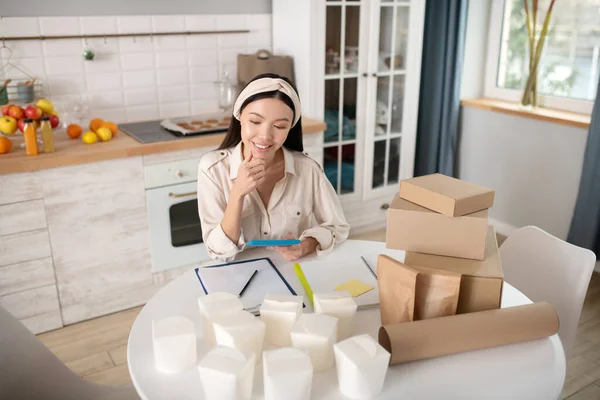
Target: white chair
column 546, row 268
column 29, row 370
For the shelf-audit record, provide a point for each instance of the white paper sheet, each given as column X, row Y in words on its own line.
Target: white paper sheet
column 324, row 278
column 232, row 278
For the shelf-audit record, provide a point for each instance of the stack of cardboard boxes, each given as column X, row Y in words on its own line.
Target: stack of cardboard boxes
column 442, row 222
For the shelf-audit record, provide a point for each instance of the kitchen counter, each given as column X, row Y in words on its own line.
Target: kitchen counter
column 71, row 152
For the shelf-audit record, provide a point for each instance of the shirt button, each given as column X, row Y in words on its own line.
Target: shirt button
column 298, row 213
column 334, row 235
column 264, row 233
column 222, row 153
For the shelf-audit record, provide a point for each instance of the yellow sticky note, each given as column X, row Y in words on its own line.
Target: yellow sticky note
column 354, row 287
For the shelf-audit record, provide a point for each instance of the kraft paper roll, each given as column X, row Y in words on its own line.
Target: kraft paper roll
column 436, row 337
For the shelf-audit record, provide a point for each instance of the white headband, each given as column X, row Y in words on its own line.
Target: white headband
column 267, row 85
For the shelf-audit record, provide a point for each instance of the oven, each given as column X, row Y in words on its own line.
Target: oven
column 172, row 209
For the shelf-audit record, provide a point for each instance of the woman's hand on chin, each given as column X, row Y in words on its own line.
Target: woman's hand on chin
column 250, row 174
column 292, row 253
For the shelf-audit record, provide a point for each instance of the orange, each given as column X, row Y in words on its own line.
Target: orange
column 111, row 126
column 5, row 145
column 95, row 124
column 74, row 131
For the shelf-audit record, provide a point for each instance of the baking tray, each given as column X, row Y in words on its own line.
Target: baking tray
column 196, row 125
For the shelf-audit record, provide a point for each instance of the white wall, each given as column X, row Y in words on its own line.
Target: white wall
column 533, row 165
column 36, row 8
column 134, row 79
column 475, row 49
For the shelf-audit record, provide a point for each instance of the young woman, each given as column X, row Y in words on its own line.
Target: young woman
column 259, row 184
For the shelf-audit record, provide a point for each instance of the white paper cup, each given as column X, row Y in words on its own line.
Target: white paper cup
column 174, row 344
column 339, row 304
column 316, row 334
column 241, row 330
column 287, row 374
column 362, row 364
column 227, row 374
column 280, row 313
column 214, row 306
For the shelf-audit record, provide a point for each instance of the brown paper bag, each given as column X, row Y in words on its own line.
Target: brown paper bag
column 397, row 284
column 436, row 293
column 250, row 65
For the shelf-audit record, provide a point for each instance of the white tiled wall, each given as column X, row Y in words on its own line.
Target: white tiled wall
column 133, row 79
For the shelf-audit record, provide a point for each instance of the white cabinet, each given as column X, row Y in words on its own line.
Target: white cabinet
column 357, row 65
column 313, row 146
column 37, row 308
column 99, row 235
column 20, row 187
column 22, row 217
column 27, row 284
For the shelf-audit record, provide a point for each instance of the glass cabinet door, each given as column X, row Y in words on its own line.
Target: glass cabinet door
column 341, row 93
column 388, row 59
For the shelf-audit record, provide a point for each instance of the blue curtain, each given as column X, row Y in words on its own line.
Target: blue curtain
column 585, row 226
column 439, row 103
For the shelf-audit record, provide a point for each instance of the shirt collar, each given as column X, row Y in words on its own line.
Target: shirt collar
column 236, row 158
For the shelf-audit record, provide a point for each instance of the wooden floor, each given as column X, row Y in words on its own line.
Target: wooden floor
column 97, row 349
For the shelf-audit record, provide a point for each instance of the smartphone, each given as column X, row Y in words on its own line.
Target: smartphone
column 274, row 243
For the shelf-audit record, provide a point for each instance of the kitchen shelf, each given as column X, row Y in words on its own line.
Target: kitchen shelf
column 116, row 35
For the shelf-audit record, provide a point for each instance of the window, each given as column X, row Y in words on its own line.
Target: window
column 570, row 62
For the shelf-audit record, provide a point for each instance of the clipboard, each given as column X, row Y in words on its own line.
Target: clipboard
column 231, row 277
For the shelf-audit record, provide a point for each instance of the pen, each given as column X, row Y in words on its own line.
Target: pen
column 247, row 283
column 368, row 266
column 368, row 306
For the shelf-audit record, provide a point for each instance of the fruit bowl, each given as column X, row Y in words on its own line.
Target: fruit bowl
column 12, row 118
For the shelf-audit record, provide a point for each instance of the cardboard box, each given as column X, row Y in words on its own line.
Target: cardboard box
column 414, row 228
column 481, row 282
column 446, row 195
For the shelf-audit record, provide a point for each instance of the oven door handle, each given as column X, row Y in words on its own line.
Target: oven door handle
column 178, row 195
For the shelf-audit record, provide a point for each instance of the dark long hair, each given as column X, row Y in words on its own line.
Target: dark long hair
column 294, row 138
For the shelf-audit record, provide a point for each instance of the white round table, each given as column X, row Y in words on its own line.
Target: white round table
column 529, row 370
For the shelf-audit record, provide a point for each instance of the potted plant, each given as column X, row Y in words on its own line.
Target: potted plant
column 529, row 97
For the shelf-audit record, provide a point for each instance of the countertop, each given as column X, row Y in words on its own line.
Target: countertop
column 74, row 151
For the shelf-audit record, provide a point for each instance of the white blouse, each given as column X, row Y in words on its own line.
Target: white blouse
column 303, row 204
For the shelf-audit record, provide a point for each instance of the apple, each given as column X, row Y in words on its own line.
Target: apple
column 21, row 125
column 46, row 105
column 53, row 121
column 33, row 112
column 8, row 125
column 4, row 109
column 16, row 112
